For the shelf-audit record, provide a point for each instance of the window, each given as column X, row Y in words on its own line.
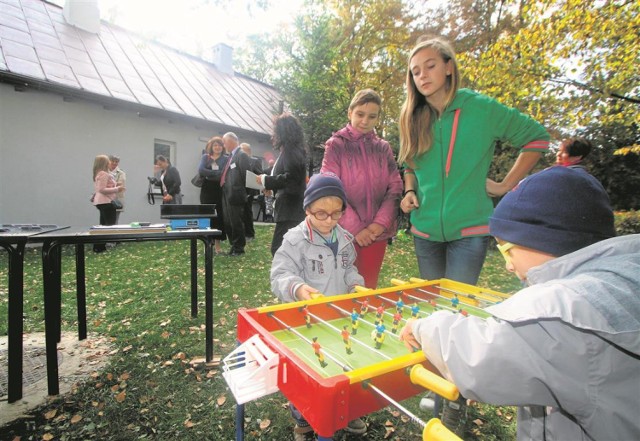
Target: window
column 166, row 149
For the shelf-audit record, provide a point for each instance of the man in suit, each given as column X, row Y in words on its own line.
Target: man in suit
column 234, row 193
column 256, row 167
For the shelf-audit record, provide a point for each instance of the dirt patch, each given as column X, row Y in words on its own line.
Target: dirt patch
column 76, row 361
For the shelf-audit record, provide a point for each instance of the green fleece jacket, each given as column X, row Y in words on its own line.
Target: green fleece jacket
column 452, row 177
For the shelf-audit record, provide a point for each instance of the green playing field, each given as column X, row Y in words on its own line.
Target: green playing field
column 362, row 344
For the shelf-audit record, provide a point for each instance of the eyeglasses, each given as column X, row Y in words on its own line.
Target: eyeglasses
column 504, row 250
column 323, row 215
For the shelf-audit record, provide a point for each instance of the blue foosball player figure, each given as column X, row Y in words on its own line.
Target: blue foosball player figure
column 415, row 309
column 354, row 322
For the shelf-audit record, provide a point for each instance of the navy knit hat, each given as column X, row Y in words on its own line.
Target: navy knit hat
column 321, row 185
column 557, row 211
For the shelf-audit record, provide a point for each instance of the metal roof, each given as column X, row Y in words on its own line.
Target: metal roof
column 37, row 45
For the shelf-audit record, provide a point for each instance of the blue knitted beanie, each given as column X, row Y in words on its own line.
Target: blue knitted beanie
column 557, row 211
column 321, row 185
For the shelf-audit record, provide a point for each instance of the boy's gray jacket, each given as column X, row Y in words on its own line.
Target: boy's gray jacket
column 566, row 349
column 304, row 257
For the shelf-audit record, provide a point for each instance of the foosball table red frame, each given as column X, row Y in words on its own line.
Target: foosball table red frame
column 328, row 403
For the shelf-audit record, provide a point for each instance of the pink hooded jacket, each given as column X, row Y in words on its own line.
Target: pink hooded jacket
column 367, row 168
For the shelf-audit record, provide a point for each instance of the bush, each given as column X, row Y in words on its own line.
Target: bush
column 627, row 222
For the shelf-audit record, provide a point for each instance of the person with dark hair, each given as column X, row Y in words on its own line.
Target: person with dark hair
column 366, row 165
column 211, row 165
column 170, row 180
column 572, row 151
column 288, row 176
column 566, row 348
column 447, row 140
column 121, row 179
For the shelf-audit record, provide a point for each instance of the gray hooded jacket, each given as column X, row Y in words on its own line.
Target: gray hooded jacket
column 304, row 257
column 566, row 350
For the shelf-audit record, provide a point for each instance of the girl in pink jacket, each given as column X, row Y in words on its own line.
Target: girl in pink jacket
column 105, row 188
column 367, row 168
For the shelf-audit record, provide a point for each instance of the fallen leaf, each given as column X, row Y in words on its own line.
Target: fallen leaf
column 50, row 414
column 121, row 396
column 76, row 419
column 221, row 400
column 388, row 423
column 264, row 424
column 478, row 422
column 47, row 437
column 188, row 424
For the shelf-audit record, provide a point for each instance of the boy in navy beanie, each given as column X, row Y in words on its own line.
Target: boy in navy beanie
column 317, row 257
column 566, row 349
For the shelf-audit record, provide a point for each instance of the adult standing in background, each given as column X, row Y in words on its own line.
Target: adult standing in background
column 447, row 140
column 234, row 193
column 572, row 151
column 288, row 176
column 121, row 178
column 105, row 190
column 170, row 179
column 211, row 166
column 256, row 167
column 368, row 170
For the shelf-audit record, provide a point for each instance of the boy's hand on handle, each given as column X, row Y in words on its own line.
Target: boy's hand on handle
column 305, row 291
column 409, row 202
column 407, row 337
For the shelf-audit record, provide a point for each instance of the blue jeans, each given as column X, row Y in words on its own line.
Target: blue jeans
column 460, row 260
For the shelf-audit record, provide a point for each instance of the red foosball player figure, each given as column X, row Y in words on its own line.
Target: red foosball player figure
column 316, row 349
column 397, row 317
column 364, row 306
column 346, row 339
column 379, row 315
column 307, row 317
column 354, row 321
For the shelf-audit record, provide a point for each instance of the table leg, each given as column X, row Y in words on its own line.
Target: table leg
column 194, row 278
column 81, row 292
column 51, row 311
column 240, row 422
column 208, row 284
column 15, row 319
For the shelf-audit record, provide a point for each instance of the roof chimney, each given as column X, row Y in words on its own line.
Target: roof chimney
column 83, row 14
column 222, row 57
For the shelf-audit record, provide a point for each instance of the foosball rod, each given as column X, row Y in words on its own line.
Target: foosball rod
column 433, row 430
column 402, row 282
column 345, row 367
column 480, row 296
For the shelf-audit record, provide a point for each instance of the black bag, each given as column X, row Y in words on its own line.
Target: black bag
column 116, row 204
column 197, row 180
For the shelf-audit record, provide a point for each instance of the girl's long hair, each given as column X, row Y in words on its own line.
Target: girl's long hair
column 101, row 163
column 288, row 137
column 417, row 115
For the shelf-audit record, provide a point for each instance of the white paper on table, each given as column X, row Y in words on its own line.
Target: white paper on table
column 251, row 181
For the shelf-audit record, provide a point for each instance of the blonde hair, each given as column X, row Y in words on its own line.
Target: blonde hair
column 101, row 163
column 417, row 115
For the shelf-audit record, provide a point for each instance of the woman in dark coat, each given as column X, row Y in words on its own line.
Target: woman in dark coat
column 288, row 176
column 210, row 168
column 170, row 179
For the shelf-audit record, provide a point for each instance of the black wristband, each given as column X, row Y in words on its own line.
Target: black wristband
column 409, row 191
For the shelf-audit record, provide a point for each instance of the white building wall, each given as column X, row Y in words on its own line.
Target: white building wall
column 47, row 148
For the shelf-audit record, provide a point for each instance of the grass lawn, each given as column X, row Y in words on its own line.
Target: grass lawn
column 138, row 295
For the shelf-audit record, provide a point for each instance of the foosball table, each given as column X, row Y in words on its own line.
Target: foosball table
column 337, row 358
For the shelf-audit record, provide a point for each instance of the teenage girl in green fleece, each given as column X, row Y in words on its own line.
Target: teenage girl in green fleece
column 447, row 141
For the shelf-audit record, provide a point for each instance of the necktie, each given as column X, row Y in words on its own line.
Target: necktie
column 226, row 167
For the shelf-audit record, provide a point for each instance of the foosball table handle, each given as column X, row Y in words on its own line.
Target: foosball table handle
column 427, row 379
column 434, row 430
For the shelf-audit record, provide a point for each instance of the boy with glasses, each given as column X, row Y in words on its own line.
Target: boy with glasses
column 565, row 349
column 317, row 257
